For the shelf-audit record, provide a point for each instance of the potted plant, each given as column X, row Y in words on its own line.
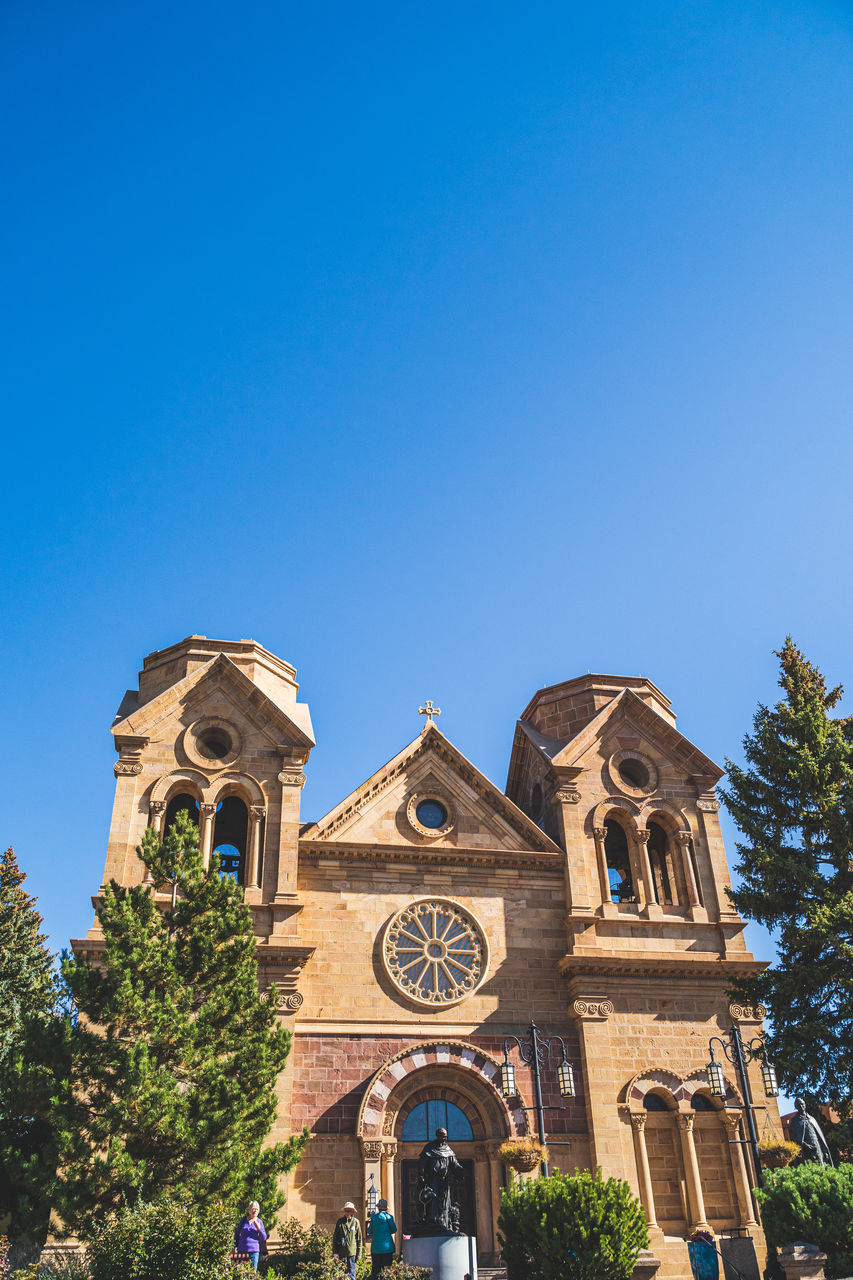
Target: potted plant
column 523, row 1154
column 776, row 1153
column 703, row 1256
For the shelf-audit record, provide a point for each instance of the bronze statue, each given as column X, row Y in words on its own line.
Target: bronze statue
column 437, row 1167
column 806, row 1131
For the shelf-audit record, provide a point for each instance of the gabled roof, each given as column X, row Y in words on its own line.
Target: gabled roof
column 431, row 741
column 293, row 722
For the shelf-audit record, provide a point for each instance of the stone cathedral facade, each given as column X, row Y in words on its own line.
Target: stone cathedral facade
column 429, row 916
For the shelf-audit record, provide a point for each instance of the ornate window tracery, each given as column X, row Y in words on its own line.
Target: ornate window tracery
column 435, row 952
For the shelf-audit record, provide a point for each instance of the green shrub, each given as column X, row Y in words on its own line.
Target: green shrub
column 306, row 1253
column 169, row 1239
column 73, row 1268
column 405, row 1271
column 571, row 1227
column 811, row 1202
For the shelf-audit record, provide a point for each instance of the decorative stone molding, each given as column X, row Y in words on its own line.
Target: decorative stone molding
column 747, row 1012
column 371, row 1150
column 598, row 1008
column 292, row 777
column 567, row 795
column 311, row 850
column 130, row 748
column 708, row 803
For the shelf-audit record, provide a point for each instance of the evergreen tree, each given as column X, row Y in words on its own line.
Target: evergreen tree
column 176, row 1053
column 794, row 807
column 33, row 1036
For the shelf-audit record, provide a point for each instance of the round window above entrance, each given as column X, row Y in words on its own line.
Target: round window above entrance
column 212, row 743
column 435, row 952
column 430, row 815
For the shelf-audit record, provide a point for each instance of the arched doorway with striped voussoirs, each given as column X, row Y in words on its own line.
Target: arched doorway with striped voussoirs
column 447, row 1084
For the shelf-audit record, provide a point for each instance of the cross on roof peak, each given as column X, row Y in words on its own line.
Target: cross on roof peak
column 429, row 710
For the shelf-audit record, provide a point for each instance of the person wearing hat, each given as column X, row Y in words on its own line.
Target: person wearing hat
column 380, row 1233
column 347, row 1242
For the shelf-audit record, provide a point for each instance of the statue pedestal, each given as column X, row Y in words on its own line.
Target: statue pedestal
column 450, row 1257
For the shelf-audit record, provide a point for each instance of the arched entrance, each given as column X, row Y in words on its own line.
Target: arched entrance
column 423, row 1087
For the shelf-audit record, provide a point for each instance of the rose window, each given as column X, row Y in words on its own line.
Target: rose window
column 435, row 952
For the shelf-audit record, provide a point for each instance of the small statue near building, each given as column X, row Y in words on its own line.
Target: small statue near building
column 437, row 1168
column 806, row 1131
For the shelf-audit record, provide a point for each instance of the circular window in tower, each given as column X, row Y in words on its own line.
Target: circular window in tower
column 435, row 952
column 430, row 815
column 212, row 743
column 632, row 772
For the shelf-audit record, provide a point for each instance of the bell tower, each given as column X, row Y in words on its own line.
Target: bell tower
column 215, row 728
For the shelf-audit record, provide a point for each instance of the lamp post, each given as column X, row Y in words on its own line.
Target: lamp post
column 740, row 1052
column 372, row 1198
column 535, row 1050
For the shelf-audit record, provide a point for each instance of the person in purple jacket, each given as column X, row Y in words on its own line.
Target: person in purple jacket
column 250, row 1235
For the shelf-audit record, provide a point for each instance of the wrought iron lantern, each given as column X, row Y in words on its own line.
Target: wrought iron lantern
column 716, row 1083
column 508, row 1085
column 768, row 1075
column 566, row 1080
column 372, row 1197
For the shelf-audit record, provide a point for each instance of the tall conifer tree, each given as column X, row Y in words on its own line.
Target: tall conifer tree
column 33, row 1036
column 794, row 806
column 176, row 1052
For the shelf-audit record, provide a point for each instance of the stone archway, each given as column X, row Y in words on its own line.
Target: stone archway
column 459, row 1074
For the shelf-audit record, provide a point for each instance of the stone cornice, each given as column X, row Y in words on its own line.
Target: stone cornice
column 688, row 965
column 314, row 850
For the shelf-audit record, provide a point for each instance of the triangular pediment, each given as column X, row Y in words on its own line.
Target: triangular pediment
column 383, row 810
column 231, row 685
column 629, row 723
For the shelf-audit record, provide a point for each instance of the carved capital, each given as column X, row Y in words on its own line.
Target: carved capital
column 206, row 810
column 598, row 1008
column 567, row 795
column 155, row 808
column 127, row 768
column 708, row 802
column 638, row 1119
column 747, row 1012
column 600, row 834
column 389, row 1149
column 643, row 835
column 292, row 777
column 256, row 813
column 370, row 1149
column 684, row 838
column 731, row 1119
column 685, row 1121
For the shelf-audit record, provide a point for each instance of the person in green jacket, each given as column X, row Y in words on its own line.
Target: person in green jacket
column 380, row 1233
column 347, row 1241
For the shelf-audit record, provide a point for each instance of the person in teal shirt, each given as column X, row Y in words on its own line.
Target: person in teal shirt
column 380, row 1233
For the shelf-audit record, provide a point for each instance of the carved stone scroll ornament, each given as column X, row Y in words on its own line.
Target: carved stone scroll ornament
column 708, row 803
column 127, row 768
column 371, row 1150
column 292, row 777
column 747, row 1012
column 567, row 795
column 592, row 1008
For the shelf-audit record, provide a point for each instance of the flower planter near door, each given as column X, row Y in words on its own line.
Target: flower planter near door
column 704, row 1262
column 523, row 1154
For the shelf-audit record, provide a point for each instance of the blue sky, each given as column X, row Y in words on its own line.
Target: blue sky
column 447, row 351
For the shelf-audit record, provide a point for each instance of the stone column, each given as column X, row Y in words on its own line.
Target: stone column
column 638, row 1124
column 684, row 838
column 696, row 1202
column 256, row 817
column 207, row 815
column 651, row 903
column 732, row 1119
column 389, row 1154
column 496, row 1182
column 292, row 781
column 600, row 834
column 156, row 809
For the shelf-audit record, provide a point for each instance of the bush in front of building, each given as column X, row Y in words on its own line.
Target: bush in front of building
column 571, row 1227
column 171, row 1238
column 814, row 1203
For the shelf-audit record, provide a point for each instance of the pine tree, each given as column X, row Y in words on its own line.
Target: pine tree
column 176, row 1053
column 32, row 1058
column 794, row 807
